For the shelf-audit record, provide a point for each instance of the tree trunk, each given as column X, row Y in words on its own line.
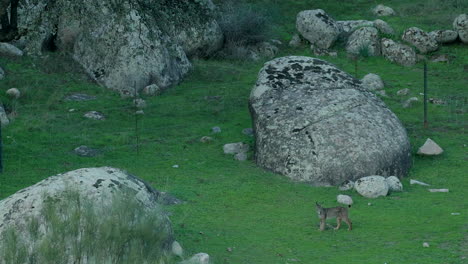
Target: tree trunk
column 14, row 15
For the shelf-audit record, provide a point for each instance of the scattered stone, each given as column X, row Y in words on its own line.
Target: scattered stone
column 295, row 41
column 346, row 185
column 425, row 244
column 175, row 166
column 371, row 186
column 344, row 199
column 436, row 101
column 3, row 117
column 95, row 115
column 248, row 131
column 394, row 184
column 322, row 52
column 229, row 249
column 382, row 10
column 460, row 24
column 364, row 41
column 216, row 129
column 152, row 90
column 403, row 92
column 13, row 93
column 206, row 139
column 440, row 58
column 398, row 53
column 369, row 204
column 455, row 213
column 80, row 97
column 265, row 49
column 242, row 156
column 177, row 249
column 6, row 49
column 439, row 190
column 418, row 182
column 372, row 82
column 420, row 39
column 71, row 110
column 383, row 27
column 408, row 103
column 85, row 151
column 444, row 36
column 199, row 258
column 276, row 42
column 139, row 103
column 2, row 73
column 430, row 148
column 139, row 112
column 234, row 148
column 317, row 27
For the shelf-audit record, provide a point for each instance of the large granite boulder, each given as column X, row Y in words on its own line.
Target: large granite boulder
column 315, row 123
column 318, row 28
column 82, row 192
column 420, row 39
column 123, row 44
column 364, row 41
column 460, row 24
column 398, row 53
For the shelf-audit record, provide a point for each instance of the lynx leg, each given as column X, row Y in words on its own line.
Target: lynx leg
column 322, row 224
column 338, row 223
column 350, row 225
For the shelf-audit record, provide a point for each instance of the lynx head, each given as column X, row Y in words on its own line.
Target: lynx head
column 319, row 209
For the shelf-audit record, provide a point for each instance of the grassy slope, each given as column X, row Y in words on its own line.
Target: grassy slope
column 262, row 217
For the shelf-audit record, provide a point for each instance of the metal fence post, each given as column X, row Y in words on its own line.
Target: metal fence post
column 425, row 95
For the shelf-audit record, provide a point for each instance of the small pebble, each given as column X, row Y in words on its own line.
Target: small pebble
column 175, row 166
column 455, row 213
column 369, row 204
column 425, row 244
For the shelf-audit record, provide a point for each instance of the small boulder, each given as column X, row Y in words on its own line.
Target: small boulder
column 200, row 258
column 216, row 129
column 152, row 90
column 235, row 148
column 295, row 41
column 403, row 92
column 460, row 24
column 85, row 151
column 444, row 36
column 349, row 26
column 177, row 249
column 420, row 39
column 139, row 103
column 430, row 148
column 372, row 186
column 394, row 184
column 372, row 82
column 408, row 103
column 13, row 93
column 317, row 27
column 382, row 10
column 344, row 199
column 6, row 49
column 241, row 156
column 364, row 41
column 3, row 116
column 78, row 97
column 206, row 139
column 398, row 53
column 383, row 27
column 95, row 115
column 346, row 185
column 2, row 73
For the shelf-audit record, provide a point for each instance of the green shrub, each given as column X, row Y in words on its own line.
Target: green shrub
column 73, row 230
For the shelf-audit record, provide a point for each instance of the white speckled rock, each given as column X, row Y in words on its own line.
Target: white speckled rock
column 420, row 39
column 235, row 148
column 344, row 199
column 346, row 185
column 382, row 10
column 317, row 27
column 317, row 124
column 444, row 36
column 460, row 24
column 398, row 53
column 372, row 186
column 383, row 27
column 372, row 82
column 364, row 40
column 394, row 184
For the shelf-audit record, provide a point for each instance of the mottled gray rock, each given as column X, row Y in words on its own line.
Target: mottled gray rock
column 322, row 52
column 381, row 10
column 420, row 39
column 139, row 103
column 248, row 131
column 264, row 49
column 348, row 26
column 317, row 124
column 6, row 49
column 398, row 53
column 216, row 129
column 394, row 184
column 409, row 102
column 4, row 121
column 152, row 90
column 383, row 27
column 240, row 156
column 444, row 36
column 295, row 41
column 176, row 249
column 403, row 92
column 460, row 24
column 430, row 148
column 85, row 151
column 372, row 186
column 234, row 148
column 206, row 139
column 364, row 41
column 344, row 199
column 440, row 58
column 80, row 97
column 13, row 93
column 346, row 185
column 199, row 258
column 95, row 115
column 317, row 27
column 372, row 82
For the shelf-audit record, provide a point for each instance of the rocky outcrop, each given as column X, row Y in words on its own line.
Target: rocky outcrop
column 460, row 24
column 444, row 36
column 398, row 53
column 318, row 28
column 364, row 41
column 123, row 44
column 315, row 123
column 420, row 39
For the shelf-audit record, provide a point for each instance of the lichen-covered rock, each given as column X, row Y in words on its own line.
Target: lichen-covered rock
column 381, row 10
column 394, row 184
column 123, row 44
column 317, row 27
column 6, row 49
column 398, row 53
column 444, row 36
column 372, row 82
column 344, row 199
column 383, row 27
column 372, row 186
column 460, row 24
column 348, row 26
column 295, row 41
column 315, row 123
column 420, row 39
column 364, row 41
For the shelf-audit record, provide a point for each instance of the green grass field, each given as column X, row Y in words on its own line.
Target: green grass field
column 236, row 212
